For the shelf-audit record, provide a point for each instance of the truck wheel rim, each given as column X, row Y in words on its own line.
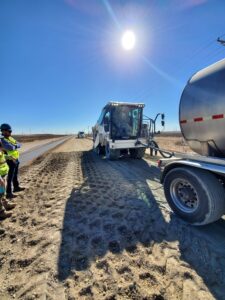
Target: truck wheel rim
column 184, row 195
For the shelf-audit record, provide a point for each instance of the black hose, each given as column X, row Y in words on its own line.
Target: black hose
column 154, row 146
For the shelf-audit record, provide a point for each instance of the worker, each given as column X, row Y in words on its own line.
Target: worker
column 11, row 147
column 4, row 169
column 122, row 122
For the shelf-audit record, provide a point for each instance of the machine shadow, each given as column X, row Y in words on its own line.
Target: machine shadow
column 114, row 210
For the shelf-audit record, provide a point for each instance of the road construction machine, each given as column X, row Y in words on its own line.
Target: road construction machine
column 194, row 184
column 81, row 135
column 123, row 129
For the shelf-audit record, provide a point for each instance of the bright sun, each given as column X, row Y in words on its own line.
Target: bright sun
column 128, row 40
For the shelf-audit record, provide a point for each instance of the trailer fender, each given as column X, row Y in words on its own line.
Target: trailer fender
column 218, row 169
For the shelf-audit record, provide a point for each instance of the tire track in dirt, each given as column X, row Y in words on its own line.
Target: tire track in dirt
column 87, row 228
column 33, row 234
column 121, row 250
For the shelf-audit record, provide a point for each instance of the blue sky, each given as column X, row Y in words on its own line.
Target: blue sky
column 62, row 60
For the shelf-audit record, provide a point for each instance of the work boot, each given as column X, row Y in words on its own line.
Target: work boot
column 2, row 231
column 18, row 189
column 4, row 214
column 8, row 205
column 10, row 196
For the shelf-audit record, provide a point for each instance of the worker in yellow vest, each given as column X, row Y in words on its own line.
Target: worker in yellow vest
column 4, row 169
column 11, row 147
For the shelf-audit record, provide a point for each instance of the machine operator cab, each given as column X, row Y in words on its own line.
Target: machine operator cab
column 121, row 120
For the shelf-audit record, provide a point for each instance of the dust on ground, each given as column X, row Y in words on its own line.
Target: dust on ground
column 87, row 228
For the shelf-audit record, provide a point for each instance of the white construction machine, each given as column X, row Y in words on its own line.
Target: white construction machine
column 123, row 129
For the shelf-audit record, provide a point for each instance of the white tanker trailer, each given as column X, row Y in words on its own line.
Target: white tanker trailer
column 194, row 185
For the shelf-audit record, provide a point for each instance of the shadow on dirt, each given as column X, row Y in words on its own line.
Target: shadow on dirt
column 114, row 210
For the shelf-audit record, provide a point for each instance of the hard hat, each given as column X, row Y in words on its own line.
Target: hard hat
column 5, row 127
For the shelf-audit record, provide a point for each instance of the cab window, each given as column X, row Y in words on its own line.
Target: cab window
column 106, row 121
column 100, row 119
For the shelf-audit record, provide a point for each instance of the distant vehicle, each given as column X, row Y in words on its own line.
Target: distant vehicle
column 81, row 135
column 122, row 129
column 194, row 185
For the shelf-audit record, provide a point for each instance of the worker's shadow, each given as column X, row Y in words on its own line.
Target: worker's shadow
column 114, row 210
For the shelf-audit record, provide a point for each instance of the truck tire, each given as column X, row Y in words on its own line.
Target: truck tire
column 137, row 153
column 111, row 154
column 195, row 195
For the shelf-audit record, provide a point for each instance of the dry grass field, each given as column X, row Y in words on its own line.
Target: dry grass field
column 173, row 143
column 35, row 137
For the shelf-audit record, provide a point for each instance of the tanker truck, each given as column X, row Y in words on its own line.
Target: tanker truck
column 194, row 183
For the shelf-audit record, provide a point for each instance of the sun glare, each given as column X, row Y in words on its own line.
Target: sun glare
column 128, row 40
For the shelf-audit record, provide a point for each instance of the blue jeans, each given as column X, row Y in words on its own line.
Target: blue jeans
column 12, row 178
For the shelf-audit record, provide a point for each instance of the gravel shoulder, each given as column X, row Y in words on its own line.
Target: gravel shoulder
column 87, row 228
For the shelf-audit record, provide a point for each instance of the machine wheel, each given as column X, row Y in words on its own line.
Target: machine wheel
column 100, row 150
column 195, row 195
column 111, row 154
column 137, row 153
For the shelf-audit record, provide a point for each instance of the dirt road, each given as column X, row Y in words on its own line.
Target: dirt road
column 87, row 228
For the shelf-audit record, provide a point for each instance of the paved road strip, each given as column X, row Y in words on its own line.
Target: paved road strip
column 33, row 153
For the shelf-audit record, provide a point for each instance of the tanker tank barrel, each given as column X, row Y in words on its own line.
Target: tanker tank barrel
column 202, row 111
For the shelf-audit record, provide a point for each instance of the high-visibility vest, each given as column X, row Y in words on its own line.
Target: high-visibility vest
column 4, row 168
column 14, row 153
